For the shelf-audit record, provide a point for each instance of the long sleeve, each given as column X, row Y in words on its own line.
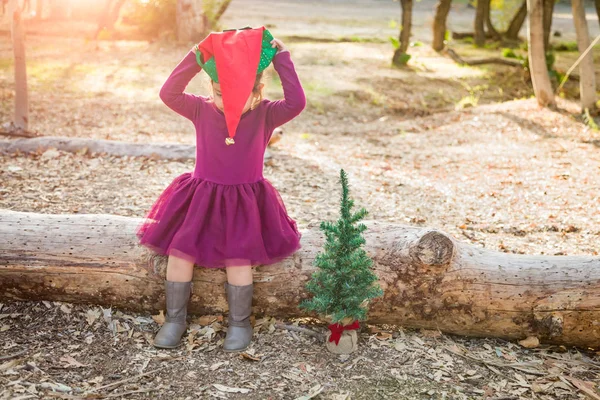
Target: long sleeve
column 281, row 111
column 172, row 92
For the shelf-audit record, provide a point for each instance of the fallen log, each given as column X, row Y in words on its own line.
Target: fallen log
column 430, row 280
column 165, row 151
column 168, row 151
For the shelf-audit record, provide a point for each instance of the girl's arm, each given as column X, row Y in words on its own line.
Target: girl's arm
column 172, row 92
column 281, row 111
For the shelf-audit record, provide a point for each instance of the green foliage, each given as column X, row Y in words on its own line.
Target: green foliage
column 153, row 18
column 401, row 59
column 509, row 53
column 566, row 46
column 503, row 11
column 395, row 42
column 344, row 282
column 589, row 120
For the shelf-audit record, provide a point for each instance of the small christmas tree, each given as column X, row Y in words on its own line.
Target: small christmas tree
column 344, row 282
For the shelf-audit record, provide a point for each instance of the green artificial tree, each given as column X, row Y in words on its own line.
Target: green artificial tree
column 344, row 282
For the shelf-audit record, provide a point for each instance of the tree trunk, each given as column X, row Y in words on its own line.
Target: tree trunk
column 597, row 4
column 587, row 82
column 405, row 29
column 103, row 18
column 442, row 9
column 21, row 120
column 60, row 9
column 512, row 33
column 190, row 20
column 39, row 9
column 488, row 21
column 479, row 31
column 430, row 280
column 537, row 56
column 548, row 12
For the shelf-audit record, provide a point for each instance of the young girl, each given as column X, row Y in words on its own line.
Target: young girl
column 224, row 214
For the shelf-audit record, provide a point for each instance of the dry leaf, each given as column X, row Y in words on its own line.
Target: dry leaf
column 92, row 315
column 530, row 343
column 208, row 319
column 249, row 357
column 64, row 308
column 71, row 362
column 228, row 389
column 314, row 391
column 160, row 318
column 218, row 365
column 586, row 387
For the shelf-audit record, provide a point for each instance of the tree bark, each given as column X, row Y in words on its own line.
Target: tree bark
column 405, row 30
column 442, row 9
column 537, row 56
column 167, row 151
column 597, row 4
column 488, row 21
column 39, row 9
column 587, row 82
column 517, row 22
column 430, row 280
column 548, row 12
column 478, row 29
column 21, row 119
column 190, row 20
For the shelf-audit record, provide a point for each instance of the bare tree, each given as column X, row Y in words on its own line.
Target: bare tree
column 488, row 21
column 517, row 22
column 442, row 9
column 21, row 118
column 479, row 27
column 548, row 11
column 587, row 80
column 405, row 29
column 39, row 9
column 195, row 21
column 537, row 55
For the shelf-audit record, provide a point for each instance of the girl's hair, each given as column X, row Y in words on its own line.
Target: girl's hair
column 255, row 89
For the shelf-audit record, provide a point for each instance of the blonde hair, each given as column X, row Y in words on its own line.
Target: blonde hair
column 257, row 100
column 256, row 89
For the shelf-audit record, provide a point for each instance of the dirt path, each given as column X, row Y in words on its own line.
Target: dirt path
column 427, row 145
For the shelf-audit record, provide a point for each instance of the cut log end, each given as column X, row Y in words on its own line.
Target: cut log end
column 433, row 249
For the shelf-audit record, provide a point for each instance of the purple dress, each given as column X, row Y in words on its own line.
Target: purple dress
column 225, row 213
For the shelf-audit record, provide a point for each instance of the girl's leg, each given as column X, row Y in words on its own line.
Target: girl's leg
column 240, row 274
column 177, row 291
column 179, row 270
column 239, row 288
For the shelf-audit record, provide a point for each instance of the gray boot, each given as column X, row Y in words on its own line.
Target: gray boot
column 177, row 294
column 239, row 331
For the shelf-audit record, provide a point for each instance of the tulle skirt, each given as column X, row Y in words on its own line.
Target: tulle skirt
column 215, row 225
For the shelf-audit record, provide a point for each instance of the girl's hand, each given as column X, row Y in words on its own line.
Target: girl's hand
column 279, row 44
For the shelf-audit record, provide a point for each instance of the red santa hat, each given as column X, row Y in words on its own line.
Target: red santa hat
column 233, row 59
